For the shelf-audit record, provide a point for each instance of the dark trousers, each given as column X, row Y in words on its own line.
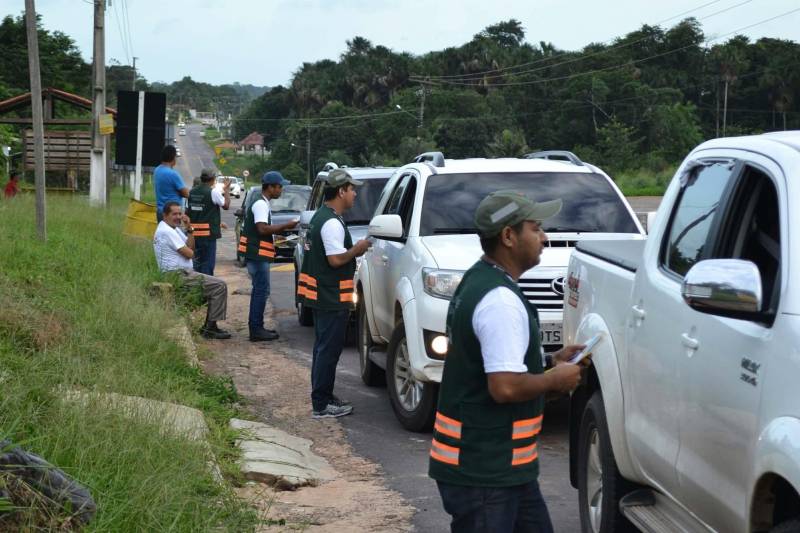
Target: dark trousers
column 205, row 256
column 329, row 331
column 259, row 273
column 518, row 509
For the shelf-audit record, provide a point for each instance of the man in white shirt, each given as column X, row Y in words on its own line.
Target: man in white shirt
column 174, row 250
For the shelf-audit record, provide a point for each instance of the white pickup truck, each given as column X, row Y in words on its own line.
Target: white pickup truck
column 425, row 240
column 689, row 417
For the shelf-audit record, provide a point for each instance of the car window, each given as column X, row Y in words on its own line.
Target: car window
column 393, row 205
column 693, row 217
column 316, row 195
column 290, row 200
column 367, row 197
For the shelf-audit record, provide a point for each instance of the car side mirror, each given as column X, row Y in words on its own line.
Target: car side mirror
column 386, row 227
column 305, row 218
column 724, row 287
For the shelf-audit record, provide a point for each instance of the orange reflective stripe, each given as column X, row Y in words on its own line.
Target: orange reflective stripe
column 444, row 453
column 242, row 248
column 525, row 455
column 447, row 426
column 266, row 245
column 529, row 427
column 242, row 239
column 308, row 293
column 266, row 253
column 308, row 280
column 346, row 284
column 347, row 297
column 202, row 233
column 199, row 225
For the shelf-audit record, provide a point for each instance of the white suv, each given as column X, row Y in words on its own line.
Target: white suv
column 425, row 240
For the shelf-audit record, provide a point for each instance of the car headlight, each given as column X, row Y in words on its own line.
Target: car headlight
column 441, row 283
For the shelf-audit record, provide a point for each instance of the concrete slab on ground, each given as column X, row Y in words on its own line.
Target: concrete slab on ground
column 274, row 457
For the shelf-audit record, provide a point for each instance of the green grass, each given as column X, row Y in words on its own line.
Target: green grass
column 76, row 315
column 644, row 182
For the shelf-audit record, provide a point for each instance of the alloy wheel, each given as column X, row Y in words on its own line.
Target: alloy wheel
column 409, row 389
column 594, row 481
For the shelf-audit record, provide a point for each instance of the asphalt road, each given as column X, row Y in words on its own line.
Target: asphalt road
column 196, row 154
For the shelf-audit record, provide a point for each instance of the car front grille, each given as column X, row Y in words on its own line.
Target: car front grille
column 540, row 292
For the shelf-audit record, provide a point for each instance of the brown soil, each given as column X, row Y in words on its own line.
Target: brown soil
column 277, row 389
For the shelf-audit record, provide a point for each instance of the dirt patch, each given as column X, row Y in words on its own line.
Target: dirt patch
column 278, row 392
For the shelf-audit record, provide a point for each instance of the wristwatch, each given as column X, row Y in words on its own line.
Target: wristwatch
column 189, row 230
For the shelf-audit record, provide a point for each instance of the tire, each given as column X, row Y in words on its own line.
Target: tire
column 413, row 401
column 371, row 374
column 789, row 526
column 304, row 315
column 596, row 460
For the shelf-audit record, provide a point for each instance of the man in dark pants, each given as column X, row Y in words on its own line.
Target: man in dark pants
column 325, row 285
column 484, row 449
column 205, row 202
column 256, row 243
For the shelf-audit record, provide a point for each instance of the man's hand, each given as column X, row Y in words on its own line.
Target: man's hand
column 361, row 247
column 223, row 225
column 185, row 221
column 291, row 224
column 564, row 377
column 226, row 184
column 567, row 352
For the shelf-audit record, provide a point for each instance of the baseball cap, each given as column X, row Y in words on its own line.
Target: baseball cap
column 338, row 177
column 507, row 208
column 208, row 174
column 273, row 177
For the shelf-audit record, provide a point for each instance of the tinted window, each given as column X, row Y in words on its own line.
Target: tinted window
column 366, row 201
column 291, row 200
column 590, row 204
column 694, row 215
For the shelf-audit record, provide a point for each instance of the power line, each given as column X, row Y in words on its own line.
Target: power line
column 605, row 69
column 608, row 41
column 127, row 25
column 125, row 48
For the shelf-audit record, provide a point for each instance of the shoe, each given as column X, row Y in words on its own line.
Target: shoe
column 338, row 402
column 215, row 333
column 263, row 335
column 333, row 411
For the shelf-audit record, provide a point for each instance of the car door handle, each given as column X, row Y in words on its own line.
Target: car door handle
column 689, row 342
column 638, row 312
column 385, row 259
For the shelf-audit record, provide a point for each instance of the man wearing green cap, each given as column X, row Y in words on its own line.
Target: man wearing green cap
column 325, row 285
column 484, row 449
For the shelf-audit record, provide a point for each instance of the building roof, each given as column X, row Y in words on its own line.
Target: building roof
column 253, row 139
column 25, row 100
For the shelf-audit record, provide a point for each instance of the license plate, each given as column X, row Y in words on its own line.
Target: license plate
column 550, row 332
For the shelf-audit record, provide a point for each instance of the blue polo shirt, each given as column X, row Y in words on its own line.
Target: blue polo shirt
column 167, row 184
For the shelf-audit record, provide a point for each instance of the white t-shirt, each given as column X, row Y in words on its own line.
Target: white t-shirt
column 261, row 210
column 500, row 322
column 217, row 198
column 333, row 237
column 166, row 243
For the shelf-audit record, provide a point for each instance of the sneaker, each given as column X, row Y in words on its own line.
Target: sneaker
column 333, row 411
column 263, row 335
column 338, row 402
column 215, row 333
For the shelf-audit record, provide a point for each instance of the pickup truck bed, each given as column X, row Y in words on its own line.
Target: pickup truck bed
column 624, row 254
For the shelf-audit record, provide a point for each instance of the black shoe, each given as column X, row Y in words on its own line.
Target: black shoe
column 263, row 335
column 215, row 333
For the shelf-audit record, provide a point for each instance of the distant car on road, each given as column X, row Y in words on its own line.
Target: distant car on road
column 181, row 124
column 182, row 132
column 288, row 207
column 236, row 189
column 177, row 151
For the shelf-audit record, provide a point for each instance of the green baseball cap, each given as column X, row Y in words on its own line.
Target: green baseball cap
column 507, row 208
column 339, row 176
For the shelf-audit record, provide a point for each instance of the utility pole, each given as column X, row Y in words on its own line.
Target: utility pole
column 422, row 92
column 37, row 115
column 133, row 81
column 97, row 169
column 308, row 153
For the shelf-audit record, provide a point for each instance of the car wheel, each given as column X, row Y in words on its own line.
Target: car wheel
column 371, row 374
column 304, row 314
column 600, row 485
column 413, row 401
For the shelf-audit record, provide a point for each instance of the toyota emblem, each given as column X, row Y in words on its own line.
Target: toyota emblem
column 558, row 286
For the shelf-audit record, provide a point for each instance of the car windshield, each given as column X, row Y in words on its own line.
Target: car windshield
column 366, row 200
column 290, row 200
column 590, row 203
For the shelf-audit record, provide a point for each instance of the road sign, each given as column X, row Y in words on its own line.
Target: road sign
column 245, row 173
column 106, row 124
column 218, row 150
column 222, row 160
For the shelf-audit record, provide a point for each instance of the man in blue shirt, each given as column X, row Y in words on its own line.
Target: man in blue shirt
column 168, row 184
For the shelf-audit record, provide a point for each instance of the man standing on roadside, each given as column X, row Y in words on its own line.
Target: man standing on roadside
column 325, row 285
column 174, row 249
column 484, row 449
column 205, row 202
column 256, row 243
column 167, row 183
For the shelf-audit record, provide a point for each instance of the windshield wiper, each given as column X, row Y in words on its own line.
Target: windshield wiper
column 567, row 229
column 442, row 231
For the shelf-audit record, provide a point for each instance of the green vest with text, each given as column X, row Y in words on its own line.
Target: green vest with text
column 252, row 244
column 204, row 213
column 319, row 285
column 478, row 442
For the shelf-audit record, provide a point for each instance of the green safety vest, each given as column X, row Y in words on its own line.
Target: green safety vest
column 476, row 441
column 320, row 285
column 252, row 244
column 204, row 213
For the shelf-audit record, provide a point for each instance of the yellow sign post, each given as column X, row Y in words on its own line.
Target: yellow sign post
column 222, row 160
column 106, row 124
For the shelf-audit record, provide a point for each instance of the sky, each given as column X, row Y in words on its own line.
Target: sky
column 262, row 42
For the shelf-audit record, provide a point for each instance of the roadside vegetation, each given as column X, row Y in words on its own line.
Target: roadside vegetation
column 76, row 316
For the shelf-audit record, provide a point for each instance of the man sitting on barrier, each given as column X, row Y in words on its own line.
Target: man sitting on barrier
column 174, row 249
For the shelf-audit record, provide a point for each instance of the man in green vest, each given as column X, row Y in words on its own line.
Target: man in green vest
column 484, row 449
column 205, row 202
column 326, row 285
column 257, row 245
